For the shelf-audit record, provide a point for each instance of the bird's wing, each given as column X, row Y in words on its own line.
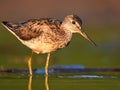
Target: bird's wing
column 32, row 28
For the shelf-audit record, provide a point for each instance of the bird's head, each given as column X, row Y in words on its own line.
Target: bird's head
column 73, row 23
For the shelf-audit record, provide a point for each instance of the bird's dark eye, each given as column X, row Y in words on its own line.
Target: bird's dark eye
column 73, row 22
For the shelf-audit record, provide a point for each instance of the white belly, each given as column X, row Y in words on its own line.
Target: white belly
column 39, row 47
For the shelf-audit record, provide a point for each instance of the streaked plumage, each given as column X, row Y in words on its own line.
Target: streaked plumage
column 46, row 35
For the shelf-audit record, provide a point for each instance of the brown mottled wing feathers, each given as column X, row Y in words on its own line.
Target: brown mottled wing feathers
column 32, row 28
column 28, row 30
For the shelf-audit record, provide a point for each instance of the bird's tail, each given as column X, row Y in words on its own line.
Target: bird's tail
column 9, row 25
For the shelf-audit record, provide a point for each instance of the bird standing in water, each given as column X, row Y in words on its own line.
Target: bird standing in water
column 46, row 35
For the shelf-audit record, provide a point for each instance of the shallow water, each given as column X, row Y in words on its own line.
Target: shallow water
column 59, row 82
column 72, row 77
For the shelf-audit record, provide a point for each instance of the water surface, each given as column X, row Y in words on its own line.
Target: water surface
column 59, row 82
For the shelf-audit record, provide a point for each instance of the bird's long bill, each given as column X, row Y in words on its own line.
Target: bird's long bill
column 87, row 37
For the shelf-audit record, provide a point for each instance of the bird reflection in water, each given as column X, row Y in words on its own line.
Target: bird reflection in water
column 46, row 82
column 30, row 83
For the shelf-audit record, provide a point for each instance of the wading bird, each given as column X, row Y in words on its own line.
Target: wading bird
column 46, row 35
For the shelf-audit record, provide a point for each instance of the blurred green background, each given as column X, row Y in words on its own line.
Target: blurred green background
column 101, row 21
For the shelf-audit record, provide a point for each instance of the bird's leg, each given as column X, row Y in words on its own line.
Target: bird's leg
column 47, row 63
column 29, row 63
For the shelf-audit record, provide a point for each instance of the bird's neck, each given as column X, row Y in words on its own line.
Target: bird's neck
column 64, row 26
column 68, row 33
